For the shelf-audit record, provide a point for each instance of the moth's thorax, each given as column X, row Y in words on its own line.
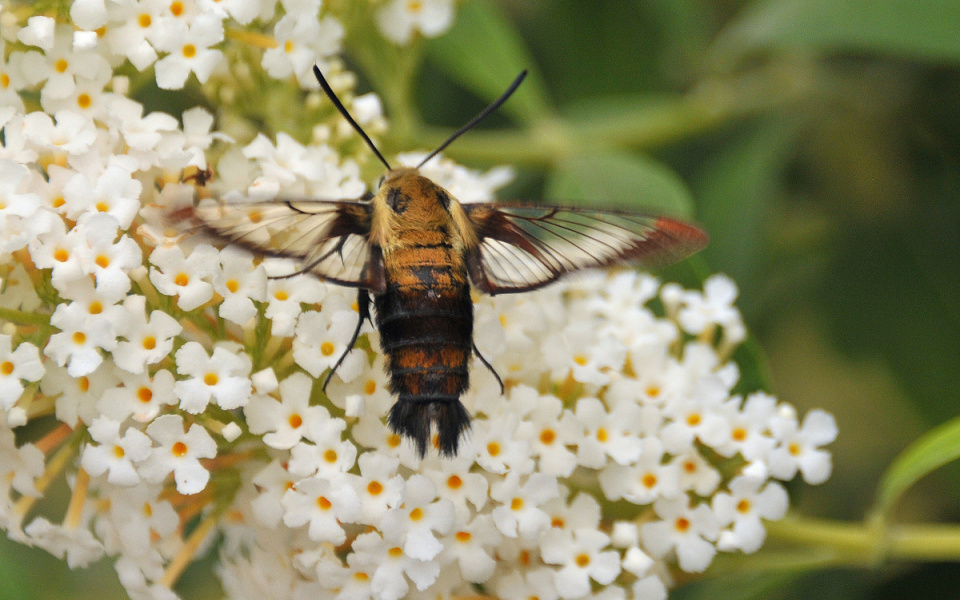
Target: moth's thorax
column 410, row 210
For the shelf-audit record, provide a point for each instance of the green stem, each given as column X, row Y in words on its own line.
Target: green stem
column 25, row 318
column 868, row 545
column 643, row 122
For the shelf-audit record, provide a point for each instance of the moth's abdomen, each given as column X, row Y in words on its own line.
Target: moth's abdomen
column 425, row 319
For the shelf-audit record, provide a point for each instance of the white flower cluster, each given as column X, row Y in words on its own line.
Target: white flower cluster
column 174, row 385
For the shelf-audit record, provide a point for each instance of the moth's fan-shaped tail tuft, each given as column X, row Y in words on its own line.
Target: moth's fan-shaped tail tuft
column 415, row 419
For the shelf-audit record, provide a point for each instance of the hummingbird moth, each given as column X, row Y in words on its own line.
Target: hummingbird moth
column 417, row 250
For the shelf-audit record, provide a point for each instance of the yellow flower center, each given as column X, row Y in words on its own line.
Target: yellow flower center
column 374, row 488
column 211, row 379
column 84, row 100
column 295, row 421
column 149, row 342
column 189, row 50
column 326, row 349
column 79, row 338
column 144, row 20
column 179, row 449
column 144, row 394
column 61, row 65
column 6, row 368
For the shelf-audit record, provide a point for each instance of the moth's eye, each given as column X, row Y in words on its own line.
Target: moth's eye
column 380, row 182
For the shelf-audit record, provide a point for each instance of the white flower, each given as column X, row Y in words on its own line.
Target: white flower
column 185, row 277
column 688, row 531
column 72, row 134
column 221, row 376
column 612, row 434
column 646, row 480
column 390, row 565
column 17, row 366
column 141, row 397
column 105, row 257
column 178, row 452
column 299, row 46
column 286, row 295
column 138, row 23
column 240, row 282
column 114, row 192
column 713, row 307
column 321, row 339
column 548, row 429
column 743, row 508
column 284, row 422
column 38, row 32
column 328, row 453
column 417, row 519
column 379, row 487
column 76, row 544
column 115, row 454
column 400, row 18
column 322, row 503
column 579, row 553
column 519, row 512
column 470, row 547
column 146, row 342
column 189, row 49
column 799, row 449
column 78, row 344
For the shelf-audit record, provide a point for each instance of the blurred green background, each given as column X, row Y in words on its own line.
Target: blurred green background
column 817, row 141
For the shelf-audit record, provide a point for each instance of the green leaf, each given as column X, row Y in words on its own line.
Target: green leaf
column 934, row 449
column 734, row 192
column 622, row 181
column 924, row 30
column 484, row 52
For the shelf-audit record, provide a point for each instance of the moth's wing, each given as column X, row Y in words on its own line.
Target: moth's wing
column 521, row 248
column 329, row 238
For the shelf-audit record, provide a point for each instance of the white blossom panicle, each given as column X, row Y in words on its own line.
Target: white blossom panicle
column 180, row 385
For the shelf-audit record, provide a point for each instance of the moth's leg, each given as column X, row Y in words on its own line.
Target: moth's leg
column 487, row 365
column 363, row 307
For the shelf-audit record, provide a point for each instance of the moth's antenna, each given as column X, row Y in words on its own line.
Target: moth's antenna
column 346, row 115
column 483, row 115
